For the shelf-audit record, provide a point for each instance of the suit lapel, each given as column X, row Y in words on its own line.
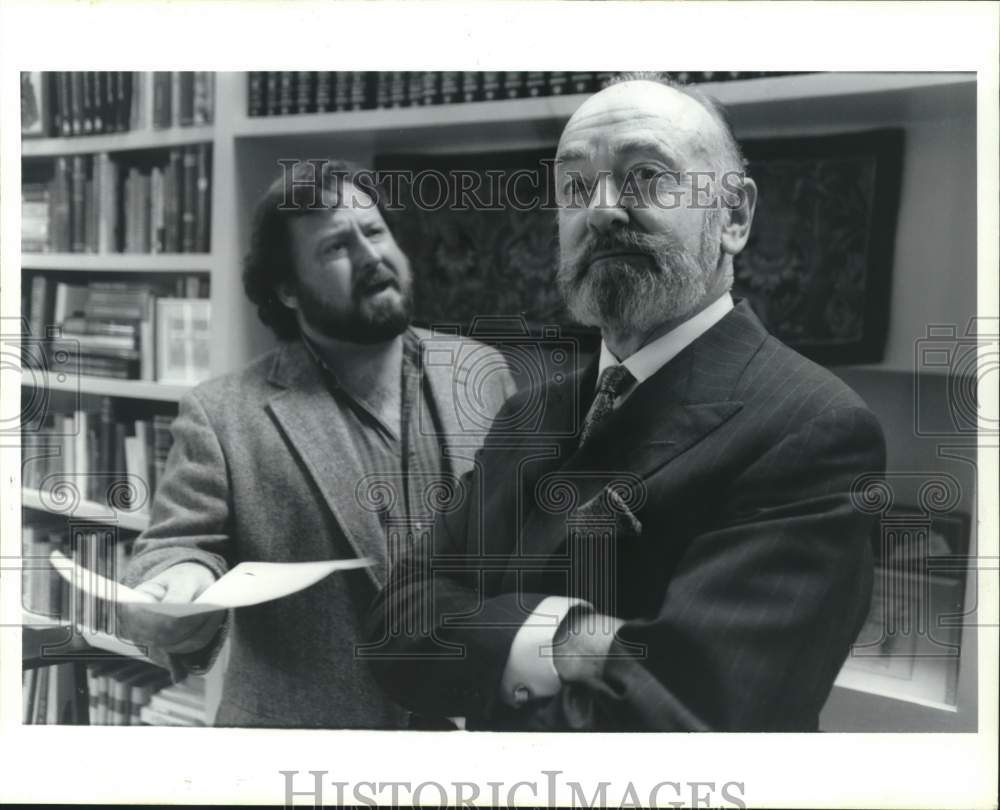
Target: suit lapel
column 318, row 434
column 669, row 413
column 443, row 370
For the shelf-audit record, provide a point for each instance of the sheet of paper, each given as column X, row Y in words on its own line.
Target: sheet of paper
column 248, row 583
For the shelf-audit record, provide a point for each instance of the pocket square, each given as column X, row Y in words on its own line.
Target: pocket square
column 609, row 504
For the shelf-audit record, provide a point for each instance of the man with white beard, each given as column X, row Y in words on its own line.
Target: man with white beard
column 686, row 555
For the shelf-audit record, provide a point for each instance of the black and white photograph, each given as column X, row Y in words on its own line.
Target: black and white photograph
column 354, row 415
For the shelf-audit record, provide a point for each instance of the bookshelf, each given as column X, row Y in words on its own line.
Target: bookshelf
column 143, row 152
column 106, row 386
column 119, row 262
column 245, row 148
column 101, row 641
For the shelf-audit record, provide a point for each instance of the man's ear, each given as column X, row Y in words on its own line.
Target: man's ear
column 736, row 228
column 287, row 296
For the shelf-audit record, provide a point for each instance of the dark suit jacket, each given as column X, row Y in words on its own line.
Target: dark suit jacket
column 263, row 469
column 731, row 549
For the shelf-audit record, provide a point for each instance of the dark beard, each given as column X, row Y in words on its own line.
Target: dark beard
column 366, row 323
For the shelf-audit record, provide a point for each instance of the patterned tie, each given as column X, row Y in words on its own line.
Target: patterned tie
column 614, row 380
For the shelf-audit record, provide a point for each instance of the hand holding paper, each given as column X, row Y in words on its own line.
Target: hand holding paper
column 249, row 583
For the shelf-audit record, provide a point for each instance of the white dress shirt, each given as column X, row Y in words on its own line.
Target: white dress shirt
column 530, row 671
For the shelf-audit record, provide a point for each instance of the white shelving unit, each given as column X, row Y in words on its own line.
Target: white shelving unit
column 244, row 149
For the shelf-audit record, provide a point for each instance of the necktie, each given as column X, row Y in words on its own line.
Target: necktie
column 614, row 380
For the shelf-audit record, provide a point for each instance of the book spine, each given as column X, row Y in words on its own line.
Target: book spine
column 286, row 92
column 271, row 93
column 185, row 116
column 305, row 92
column 66, row 100
column 76, row 78
column 77, row 197
column 203, row 198
column 491, row 86
column 189, row 203
column 56, row 99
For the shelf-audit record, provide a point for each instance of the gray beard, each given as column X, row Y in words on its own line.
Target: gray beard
column 622, row 296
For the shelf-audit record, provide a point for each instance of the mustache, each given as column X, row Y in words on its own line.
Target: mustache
column 624, row 241
column 373, row 275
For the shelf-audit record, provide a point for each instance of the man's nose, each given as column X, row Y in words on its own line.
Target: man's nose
column 365, row 252
column 605, row 212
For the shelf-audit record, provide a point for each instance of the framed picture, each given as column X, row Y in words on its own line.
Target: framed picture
column 34, row 105
column 817, row 266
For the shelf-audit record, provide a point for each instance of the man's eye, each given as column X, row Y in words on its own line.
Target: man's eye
column 375, row 231
column 332, row 247
column 645, row 173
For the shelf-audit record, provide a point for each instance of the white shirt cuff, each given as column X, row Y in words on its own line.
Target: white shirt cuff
column 530, row 672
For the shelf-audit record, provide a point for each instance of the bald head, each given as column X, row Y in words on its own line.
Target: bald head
column 683, row 115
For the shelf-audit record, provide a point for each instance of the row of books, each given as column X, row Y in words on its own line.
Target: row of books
column 182, row 704
column 49, row 695
column 88, row 102
column 299, row 92
column 80, row 103
column 44, row 592
column 151, row 330
column 98, row 453
column 118, row 690
column 94, row 204
column 183, row 98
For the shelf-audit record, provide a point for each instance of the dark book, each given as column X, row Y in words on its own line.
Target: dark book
column 42, row 304
column 325, row 82
column 286, row 92
column 342, row 90
column 76, row 79
column 415, row 88
column 271, row 93
column 432, row 79
column 535, row 83
column 171, row 202
column 162, row 103
column 256, row 98
column 87, row 104
column 78, row 243
column 382, row 99
column 513, row 83
column 397, row 88
column 581, row 82
column 189, row 201
column 66, row 101
column 602, row 79
column 203, row 199
column 470, row 85
column 125, row 100
column 56, row 102
column 361, row 94
column 557, row 81
column 185, row 105
column 451, row 87
column 491, row 85
column 60, row 218
column 305, row 92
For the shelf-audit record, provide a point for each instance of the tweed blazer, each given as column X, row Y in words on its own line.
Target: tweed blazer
column 712, row 512
column 263, row 469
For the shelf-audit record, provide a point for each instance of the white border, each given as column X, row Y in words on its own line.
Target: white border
column 225, row 766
